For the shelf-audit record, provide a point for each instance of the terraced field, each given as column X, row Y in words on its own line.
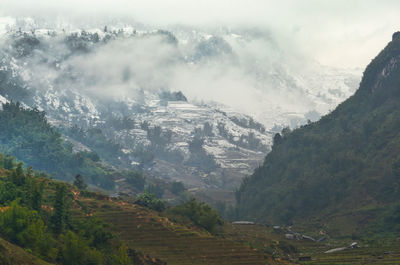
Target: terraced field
column 157, row 237
column 176, row 244
column 366, row 255
column 264, row 238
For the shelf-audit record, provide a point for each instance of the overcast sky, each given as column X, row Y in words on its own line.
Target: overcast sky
column 344, row 33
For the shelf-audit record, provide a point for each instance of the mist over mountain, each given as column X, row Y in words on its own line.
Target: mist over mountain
column 184, row 103
column 262, row 78
column 199, row 132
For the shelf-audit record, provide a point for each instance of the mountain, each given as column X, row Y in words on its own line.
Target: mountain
column 157, row 100
column 341, row 173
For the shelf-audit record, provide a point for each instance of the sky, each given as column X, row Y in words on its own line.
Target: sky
column 340, row 33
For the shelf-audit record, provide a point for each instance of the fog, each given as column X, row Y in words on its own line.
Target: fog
column 339, row 33
column 268, row 58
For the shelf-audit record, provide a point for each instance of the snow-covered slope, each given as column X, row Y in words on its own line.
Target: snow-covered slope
column 125, row 83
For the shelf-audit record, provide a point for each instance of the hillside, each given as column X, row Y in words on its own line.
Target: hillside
column 11, row 254
column 64, row 224
column 161, row 237
column 342, row 173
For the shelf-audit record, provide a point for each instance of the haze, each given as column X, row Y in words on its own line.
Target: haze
column 292, row 57
column 338, row 33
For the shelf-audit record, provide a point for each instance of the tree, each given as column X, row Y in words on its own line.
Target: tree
column 24, row 227
column 60, row 214
column 79, row 182
column 200, row 213
column 136, row 179
column 74, row 250
column 177, row 187
column 277, row 139
column 122, row 258
column 150, row 201
column 18, row 176
column 36, row 195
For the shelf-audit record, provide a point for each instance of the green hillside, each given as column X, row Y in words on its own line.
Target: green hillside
column 173, row 242
column 27, row 135
column 341, row 173
column 47, row 220
column 11, row 254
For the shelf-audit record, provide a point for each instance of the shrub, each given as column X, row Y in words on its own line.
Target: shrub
column 150, row 201
column 199, row 213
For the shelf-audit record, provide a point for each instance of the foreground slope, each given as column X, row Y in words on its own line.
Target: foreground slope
column 11, row 254
column 64, row 225
column 343, row 169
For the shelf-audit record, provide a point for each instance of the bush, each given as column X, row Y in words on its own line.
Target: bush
column 150, row 201
column 199, row 213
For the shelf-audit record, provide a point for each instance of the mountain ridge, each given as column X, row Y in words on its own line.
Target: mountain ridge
column 343, row 164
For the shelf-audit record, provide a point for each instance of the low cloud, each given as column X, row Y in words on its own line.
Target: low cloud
column 247, row 70
column 339, row 33
column 268, row 57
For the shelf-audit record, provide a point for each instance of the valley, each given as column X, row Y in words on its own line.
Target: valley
column 130, row 143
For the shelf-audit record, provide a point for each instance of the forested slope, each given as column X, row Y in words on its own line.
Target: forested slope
column 27, row 135
column 348, row 163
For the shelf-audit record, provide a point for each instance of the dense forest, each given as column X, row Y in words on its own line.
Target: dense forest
column 345, row 164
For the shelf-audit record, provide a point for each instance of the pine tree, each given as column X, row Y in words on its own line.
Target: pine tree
column 60, row 216
column 79, row 182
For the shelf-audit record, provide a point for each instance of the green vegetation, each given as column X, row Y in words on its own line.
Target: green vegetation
column 11, row 254
column 135, row 179
column 273, row 242
column 177, row 187
column 36, row 215
column 150, row 201
column 62, row 224
column 97, row 141
column 342, row 172
column 27, row 135
column 79, row 182
column 199, row 213
column 177, row 243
